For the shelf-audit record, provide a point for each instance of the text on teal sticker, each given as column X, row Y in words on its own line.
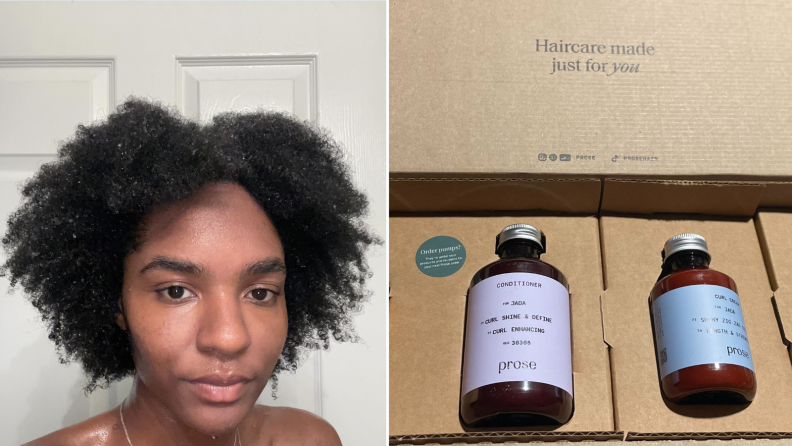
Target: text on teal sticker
column 440, row 256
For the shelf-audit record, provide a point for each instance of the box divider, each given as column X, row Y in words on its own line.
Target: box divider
column 635, row 436
column 782, row 302
column 768, row 259
column 505, row 437
column 603, row 268
column 784, row 337
column 614, row 408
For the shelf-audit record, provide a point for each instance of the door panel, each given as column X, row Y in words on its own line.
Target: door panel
column 58, row 92
column 209, row 85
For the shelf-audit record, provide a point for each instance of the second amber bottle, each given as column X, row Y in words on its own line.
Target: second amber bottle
column 702, row 349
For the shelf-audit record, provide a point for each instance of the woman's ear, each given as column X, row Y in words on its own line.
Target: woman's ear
column 120, row 318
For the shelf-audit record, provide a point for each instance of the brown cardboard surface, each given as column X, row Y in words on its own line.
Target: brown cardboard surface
column 775, row 233
column 682, row 438
column 763, row 441
column 690, row 439
column 504, row 437
column 631, row 253
column 415, row 194
column 469, row 93
column 478, row 123
column 427, row 321
column 778, row 194
column 573, row 194
column 701, row 197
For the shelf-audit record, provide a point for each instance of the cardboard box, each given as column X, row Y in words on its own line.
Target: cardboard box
column 617, row 391
column 480, row 129
column 475, row 110
column 427, row 316
column 631, row 252
column 775, row 234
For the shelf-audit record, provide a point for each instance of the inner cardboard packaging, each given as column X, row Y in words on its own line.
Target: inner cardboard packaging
column 631, row 252
column 610, row 254
column 775, row 233
column 427, row 316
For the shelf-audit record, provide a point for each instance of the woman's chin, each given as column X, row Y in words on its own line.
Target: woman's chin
column 214, row 420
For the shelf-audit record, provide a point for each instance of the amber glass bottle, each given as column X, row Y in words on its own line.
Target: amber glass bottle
column 517, row 358
column 703, row 356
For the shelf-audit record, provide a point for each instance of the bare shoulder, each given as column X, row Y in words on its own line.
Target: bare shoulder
column 101, row 430
column 284, row 426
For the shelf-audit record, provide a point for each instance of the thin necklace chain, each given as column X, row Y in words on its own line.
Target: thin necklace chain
column 120, row 412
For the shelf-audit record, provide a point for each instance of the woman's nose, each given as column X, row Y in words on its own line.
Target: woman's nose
column 222, row 330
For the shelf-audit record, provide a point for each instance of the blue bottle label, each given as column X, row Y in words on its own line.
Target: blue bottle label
column 699, row 324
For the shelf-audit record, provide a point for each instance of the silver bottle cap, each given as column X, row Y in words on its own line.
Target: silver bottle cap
column 684, row 242
column 520, row 231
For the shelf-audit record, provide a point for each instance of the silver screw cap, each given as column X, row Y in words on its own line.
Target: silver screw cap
column 684, row 242
column 520, row 231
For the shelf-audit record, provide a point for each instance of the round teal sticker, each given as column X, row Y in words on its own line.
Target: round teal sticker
column 440, row 256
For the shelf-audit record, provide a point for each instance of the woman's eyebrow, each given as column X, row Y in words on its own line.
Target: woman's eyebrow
column 168, row 264
column 264, row 266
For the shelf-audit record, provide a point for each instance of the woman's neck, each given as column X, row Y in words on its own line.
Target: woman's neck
column 148, row 422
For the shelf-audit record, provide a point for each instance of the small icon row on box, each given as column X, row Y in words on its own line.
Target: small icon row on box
column 553, row 157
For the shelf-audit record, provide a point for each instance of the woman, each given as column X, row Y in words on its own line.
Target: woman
column 203, row 260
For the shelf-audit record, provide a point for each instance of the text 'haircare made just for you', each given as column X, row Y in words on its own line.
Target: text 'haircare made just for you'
column 597, row 55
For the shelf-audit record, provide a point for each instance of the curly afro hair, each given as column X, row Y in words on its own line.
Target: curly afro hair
column 83, row 213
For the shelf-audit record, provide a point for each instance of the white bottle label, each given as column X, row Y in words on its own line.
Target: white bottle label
column 518, row 329
column 699, row 324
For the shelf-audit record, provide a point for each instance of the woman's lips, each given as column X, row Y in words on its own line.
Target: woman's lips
column 218, row 390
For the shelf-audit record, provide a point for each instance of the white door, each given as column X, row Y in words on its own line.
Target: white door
column 65, row 63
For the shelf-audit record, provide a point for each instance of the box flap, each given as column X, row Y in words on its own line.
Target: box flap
column 644, row 196
column 476, row 87
column 509, row 193
column 778, row 194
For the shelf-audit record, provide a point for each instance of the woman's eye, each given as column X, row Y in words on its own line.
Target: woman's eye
column 177, row 292
column 261, row 294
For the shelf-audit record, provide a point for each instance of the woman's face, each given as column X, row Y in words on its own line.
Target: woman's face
column 204, row 301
